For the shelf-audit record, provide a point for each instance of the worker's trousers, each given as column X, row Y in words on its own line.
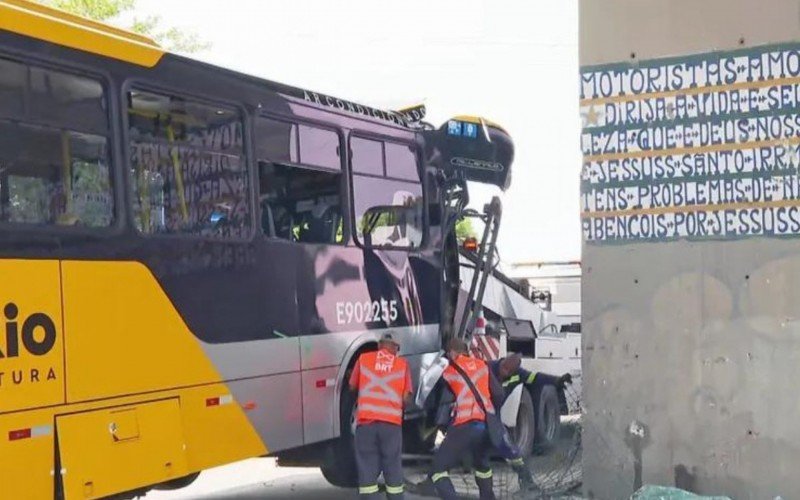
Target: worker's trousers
column 511, row 453
column 472, row 438
column 379, row 447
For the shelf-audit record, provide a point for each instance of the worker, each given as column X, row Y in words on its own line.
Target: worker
column 468, row 432
column 383, row 382
column 510, row 374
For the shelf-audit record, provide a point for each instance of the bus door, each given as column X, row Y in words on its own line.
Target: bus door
column 31, row 347
column 300, row 198
column 400, row 274
column 35, row 160
column 54, row 180
column 389, row 227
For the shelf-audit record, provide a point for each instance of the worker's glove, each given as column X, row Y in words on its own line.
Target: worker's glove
column 564, row 380
column 439, row 439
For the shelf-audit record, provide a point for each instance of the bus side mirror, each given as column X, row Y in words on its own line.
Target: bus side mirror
column 392, row 225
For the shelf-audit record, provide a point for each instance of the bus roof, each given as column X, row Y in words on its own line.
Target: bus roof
column 56, row 26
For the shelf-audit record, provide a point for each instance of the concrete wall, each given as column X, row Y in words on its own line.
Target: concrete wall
column 691, row 354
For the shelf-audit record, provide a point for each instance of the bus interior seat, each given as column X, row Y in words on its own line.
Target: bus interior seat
column 267, row 219
column 322, row 224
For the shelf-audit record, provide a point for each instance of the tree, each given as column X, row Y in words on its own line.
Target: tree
column 112, row 11
column 464, row 230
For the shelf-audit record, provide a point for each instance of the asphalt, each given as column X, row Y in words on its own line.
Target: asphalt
column 260, row 479
column 558, row 472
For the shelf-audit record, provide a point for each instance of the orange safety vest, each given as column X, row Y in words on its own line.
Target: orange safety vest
column 381, row 384
column 467, row 409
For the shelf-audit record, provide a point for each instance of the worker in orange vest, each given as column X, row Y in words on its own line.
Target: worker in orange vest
column 383, row 382
column 468, row 432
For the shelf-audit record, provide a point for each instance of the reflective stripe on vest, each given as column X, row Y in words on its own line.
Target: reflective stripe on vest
column 367, row 407
column 466, row 407
column 380, row 387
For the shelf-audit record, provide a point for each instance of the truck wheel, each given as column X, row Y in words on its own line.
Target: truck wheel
column 548, row 419
column 523, row 434
column 339, row 468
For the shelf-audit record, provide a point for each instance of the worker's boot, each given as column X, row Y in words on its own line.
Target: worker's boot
column 526, row 482
column 485, row 488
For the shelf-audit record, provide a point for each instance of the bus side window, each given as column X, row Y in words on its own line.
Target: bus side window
column 188, row 169
column 401, row 162
column 389, row 208
column 54, row 154
column 300, row 182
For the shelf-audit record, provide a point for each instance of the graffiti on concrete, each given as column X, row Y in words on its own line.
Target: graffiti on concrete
column 700, row 147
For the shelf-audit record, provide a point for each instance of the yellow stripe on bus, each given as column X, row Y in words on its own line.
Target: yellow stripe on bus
column 116, row 343
column 52, row 25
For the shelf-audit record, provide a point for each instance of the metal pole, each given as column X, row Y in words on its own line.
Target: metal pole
column 491, row 217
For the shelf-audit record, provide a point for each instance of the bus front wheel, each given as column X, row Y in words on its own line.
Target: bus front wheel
column 339, row 468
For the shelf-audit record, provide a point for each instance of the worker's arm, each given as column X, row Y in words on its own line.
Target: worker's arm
column 408, row 390
column 525, row 376
column 446, row 400
column 494, row 367
column 353, row 382
column 496, row 391
column 542, row 379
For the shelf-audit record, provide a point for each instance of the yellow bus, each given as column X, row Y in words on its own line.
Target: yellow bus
column 191, row 259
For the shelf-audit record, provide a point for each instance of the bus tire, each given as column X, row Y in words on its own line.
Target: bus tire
column 548, row 419
column 339, row 468
column 523, row 435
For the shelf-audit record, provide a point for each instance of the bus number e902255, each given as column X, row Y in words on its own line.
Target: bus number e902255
column 366, row 312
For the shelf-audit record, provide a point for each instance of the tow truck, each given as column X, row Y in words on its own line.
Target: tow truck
column 480, row 292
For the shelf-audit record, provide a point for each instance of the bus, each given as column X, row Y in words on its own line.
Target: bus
column 192, row 258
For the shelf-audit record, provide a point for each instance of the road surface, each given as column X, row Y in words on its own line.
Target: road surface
column 259, row 478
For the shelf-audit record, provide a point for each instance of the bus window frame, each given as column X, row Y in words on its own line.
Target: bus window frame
column 362, row 134
column 113, row 143
column 344, row 193
column 146, row 85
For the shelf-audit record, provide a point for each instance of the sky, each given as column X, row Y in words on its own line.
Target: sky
column 514, row 62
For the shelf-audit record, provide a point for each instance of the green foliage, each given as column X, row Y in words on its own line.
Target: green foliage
column 28, row 197
column 99, row 10
column 464, row 230
column 110, row 11
column 172, row 38
column 91, row 193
